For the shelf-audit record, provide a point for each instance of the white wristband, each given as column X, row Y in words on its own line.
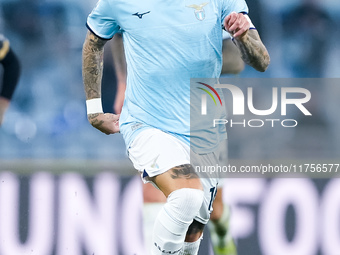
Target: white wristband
column 94, row 106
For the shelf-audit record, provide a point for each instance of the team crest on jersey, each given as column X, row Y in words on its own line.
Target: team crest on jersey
column 199, row 11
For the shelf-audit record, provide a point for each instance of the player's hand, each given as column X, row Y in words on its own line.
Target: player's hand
column 4, row 103
column 107, row 123
column 119, row 100
column 237, row 25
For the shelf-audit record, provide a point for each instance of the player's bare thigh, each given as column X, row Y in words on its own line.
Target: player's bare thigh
column 178, row 177
column 152, row 194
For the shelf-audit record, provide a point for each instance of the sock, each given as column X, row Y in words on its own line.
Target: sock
column 191, row 248
column 174, row 219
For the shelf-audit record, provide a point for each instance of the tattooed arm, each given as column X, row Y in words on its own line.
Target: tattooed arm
column 93, row 50
column 253, row 52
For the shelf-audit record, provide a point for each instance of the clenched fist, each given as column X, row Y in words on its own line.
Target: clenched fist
column 237, row 25
column 107, row 123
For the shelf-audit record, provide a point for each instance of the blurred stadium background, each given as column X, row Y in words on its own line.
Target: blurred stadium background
column 67, row 189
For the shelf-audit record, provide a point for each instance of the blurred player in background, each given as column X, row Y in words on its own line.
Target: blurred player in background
column 10, row 76
column 154, row 199
column 158, row 134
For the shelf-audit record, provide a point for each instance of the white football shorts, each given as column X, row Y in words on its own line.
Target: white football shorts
column 154, row 152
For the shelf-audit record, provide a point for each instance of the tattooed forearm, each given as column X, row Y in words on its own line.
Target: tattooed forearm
column 253, row 52
column 93, row 50
column 93, row 119
column 183, row 171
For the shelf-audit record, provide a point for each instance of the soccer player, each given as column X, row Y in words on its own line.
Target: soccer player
column 10, row 77
column 222, row 241
column 166, row 44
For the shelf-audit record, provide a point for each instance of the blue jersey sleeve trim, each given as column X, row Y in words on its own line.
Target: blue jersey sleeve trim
column 89, row 28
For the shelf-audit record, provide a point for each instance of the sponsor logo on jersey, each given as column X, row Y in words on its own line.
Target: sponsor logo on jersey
column 140, row 15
